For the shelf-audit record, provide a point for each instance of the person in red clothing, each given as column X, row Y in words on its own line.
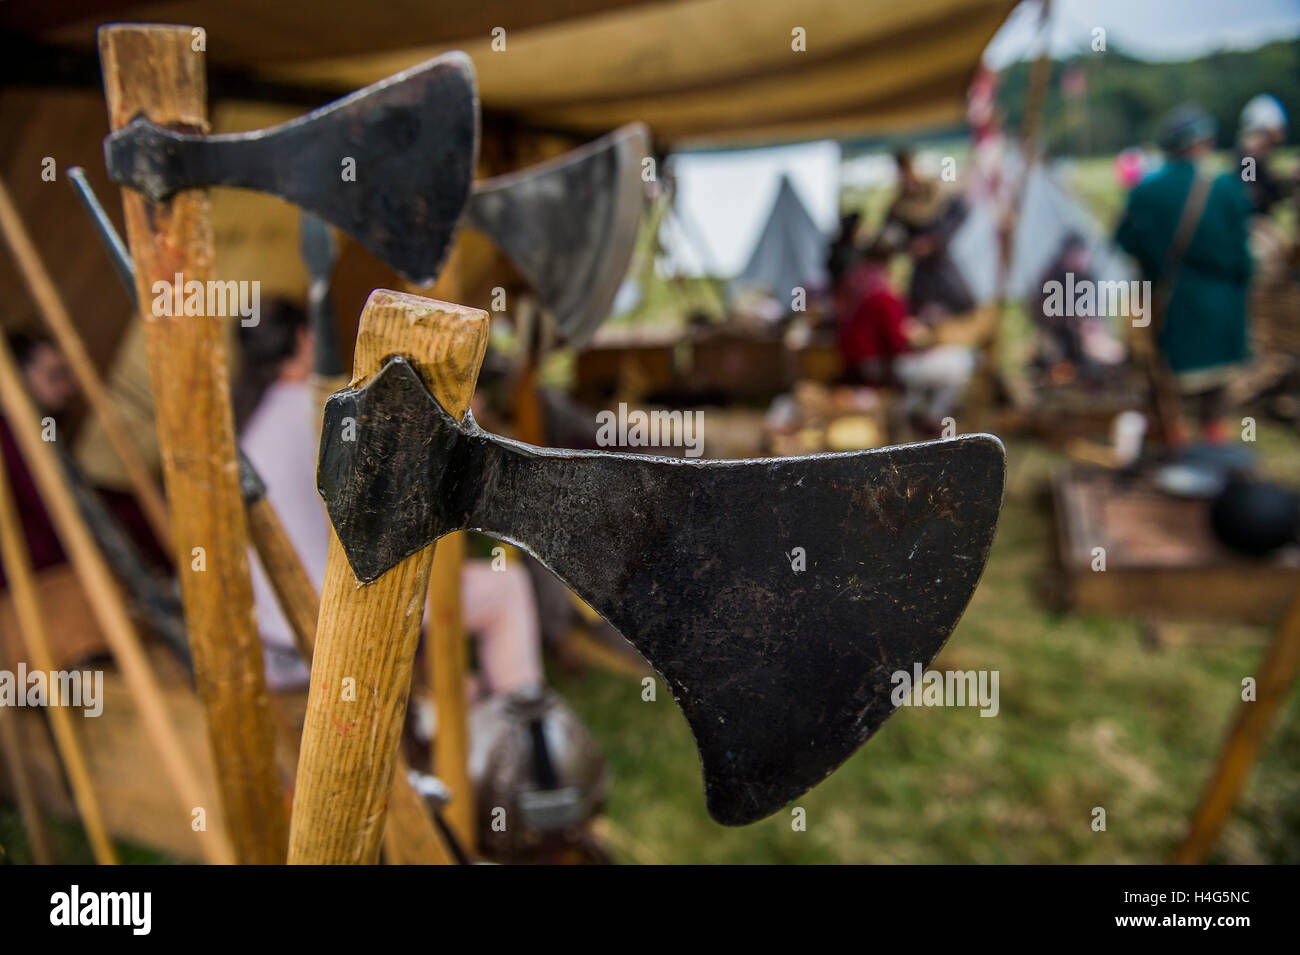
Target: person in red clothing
column 882, row 346
column 50, row 382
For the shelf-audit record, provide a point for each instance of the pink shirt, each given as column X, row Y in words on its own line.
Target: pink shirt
column 281, row 439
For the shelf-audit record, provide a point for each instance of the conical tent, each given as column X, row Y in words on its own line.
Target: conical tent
column 790, row 253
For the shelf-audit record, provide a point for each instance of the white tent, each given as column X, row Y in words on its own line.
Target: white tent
column 723, row 200
column 1048, row 214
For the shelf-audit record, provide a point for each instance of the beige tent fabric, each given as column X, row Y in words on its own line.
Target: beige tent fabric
column 721, row 70
column 698, row 71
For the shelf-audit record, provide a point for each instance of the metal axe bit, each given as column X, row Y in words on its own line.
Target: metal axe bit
column 320, row 254
column 411, row 139
column 781, row 674
column 569, row 225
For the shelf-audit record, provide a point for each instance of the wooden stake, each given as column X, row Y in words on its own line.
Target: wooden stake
column 104, row 597
column 11, row 742
column 1240, row 749
column 447, row 656
column 367, row 634
column 56, row 317
column 293, row 588
column 17, row 562
column 154, row 70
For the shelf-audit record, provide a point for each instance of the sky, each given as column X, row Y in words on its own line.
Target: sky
column 1151, row 29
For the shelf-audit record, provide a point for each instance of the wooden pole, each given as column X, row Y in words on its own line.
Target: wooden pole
column 104, row 597
column 367, row 634
column 1249, row 729
column 446, row 648
column 17, row 562
column 60, row 323
column 155, row 71
column 293, row 588
column 11, row 742
column 447, row 659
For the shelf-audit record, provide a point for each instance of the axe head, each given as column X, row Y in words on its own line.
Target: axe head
column 391, row 165
column 569, row 225
column 777, row 598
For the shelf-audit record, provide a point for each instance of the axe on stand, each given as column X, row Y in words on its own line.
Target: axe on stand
column 569, row 226
column 412, row 836
column 154, row 81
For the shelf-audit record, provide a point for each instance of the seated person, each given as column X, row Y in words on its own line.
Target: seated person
column 52, row 388
column 880, row 345
column 277, row 416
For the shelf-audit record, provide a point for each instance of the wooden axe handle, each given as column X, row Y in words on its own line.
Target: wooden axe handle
column 11, row 745
column 154, row 70
column 412, row 837
column 17, row 562
column 367, row 634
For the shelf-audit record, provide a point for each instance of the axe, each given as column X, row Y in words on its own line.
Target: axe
column 390, row 164
column 781, row 673
column 569, row 225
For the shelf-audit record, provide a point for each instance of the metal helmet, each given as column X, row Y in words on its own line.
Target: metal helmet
column 538, row 774
column 1264, row 113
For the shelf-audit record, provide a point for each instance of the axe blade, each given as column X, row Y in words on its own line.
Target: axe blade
column 781, row 674
column 411, row 140
column 569, row 225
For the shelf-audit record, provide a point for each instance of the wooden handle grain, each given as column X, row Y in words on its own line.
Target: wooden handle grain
column 411, row 836
column 17, row 563
column 155, row 71
column 105, row 599
column 367, row 634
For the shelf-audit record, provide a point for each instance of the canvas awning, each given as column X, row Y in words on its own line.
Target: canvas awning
column 698, row 71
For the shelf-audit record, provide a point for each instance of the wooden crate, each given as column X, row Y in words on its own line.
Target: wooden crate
column 1161, row 556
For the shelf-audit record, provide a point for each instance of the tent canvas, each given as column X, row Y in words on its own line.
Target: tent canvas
column 790, row 252
column 1048, row 214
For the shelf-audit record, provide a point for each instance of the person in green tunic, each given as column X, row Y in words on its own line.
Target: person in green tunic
column 1202, row 334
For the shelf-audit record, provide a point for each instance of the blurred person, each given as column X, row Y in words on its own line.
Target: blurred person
column 843, row 249
column 1131, row 166
column 881, row 346
column 921, row 221
column 275, row 408
column 50, row 383
column 1070, row 346
column 1262, row 128
column 1188, row 235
